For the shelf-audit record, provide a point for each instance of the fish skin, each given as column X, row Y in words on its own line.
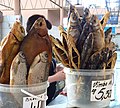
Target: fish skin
column 105, row 19
column 84, row 34
column 39, row 69
column 98, row 33
column 9, row 49
column 87, row 50
column 36, row 41
column 74, row 29
column 86, row 17
column 18, row 71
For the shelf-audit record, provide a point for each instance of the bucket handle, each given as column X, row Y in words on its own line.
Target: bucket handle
column 41, row 97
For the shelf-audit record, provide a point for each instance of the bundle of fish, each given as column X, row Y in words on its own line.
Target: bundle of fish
column 25, row 60
column 85, row 44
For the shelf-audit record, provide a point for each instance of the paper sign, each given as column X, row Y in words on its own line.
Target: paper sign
column 32, row 102
column 101, row 90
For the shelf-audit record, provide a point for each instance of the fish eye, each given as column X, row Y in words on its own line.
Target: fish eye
column 87, row 13
column 22, row 29
column 40, row 23
column 46, row 55
column 94, row 20
column 22, row 55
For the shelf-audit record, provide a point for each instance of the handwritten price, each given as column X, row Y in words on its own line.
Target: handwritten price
column 32, row 102
column 102, row 94
column 101, row 90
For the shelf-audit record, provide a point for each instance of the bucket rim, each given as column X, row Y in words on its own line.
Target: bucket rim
column 16, row 88
column 89, row 72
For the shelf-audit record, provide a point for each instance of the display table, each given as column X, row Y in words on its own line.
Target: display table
column 61, row 102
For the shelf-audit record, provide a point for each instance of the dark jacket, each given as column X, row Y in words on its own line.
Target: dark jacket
column 52, row 87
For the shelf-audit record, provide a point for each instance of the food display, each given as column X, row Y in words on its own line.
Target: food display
column 85, row 44
column 25, row 63
column 26, row 55
column 36, row 53
column 89, row 57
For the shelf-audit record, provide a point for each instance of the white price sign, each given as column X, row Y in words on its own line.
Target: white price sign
column 101, row 90
column 32, row 102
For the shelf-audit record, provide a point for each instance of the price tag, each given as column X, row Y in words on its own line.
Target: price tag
column 32, row 102
column 101, row 90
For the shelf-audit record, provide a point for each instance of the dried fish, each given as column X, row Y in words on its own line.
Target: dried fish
column 39, row 70
column 98, row 33
column 86, row 17
column 18, row 71
column 59, row 51
column 105, row 19
column 10, row 47
column 85, row 32
column 87, row 50
column 74, row 28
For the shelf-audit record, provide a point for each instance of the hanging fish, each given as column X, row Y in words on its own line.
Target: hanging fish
column 9, row 49
column 74, row 28
column 63, row 35
column 87, row 50
column 98, row 33
column 86, row 17
column 83, row 36
column 73, row 53
column 111, row 62
column 98, row 59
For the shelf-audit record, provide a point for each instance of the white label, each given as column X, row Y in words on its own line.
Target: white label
column 32, row 102
column 101, row 90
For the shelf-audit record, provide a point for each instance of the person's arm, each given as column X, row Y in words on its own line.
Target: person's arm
column 58, row 76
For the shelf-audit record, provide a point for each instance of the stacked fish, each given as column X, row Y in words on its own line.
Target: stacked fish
column 85, row 44
column 25, row 60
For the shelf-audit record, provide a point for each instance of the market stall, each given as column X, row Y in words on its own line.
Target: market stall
column 85, row 48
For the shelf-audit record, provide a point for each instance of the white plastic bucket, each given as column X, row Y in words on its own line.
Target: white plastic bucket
column 19, row 96
column 89, row 88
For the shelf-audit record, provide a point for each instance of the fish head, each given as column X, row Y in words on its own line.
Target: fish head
column 44, row 57
column 86, row 12
column 71, row 8
column 22, row 58
column 40, row 23
column 94, row 22
column 87, row 15
column 40, row 26
column 18, row 31
column 73, row 15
